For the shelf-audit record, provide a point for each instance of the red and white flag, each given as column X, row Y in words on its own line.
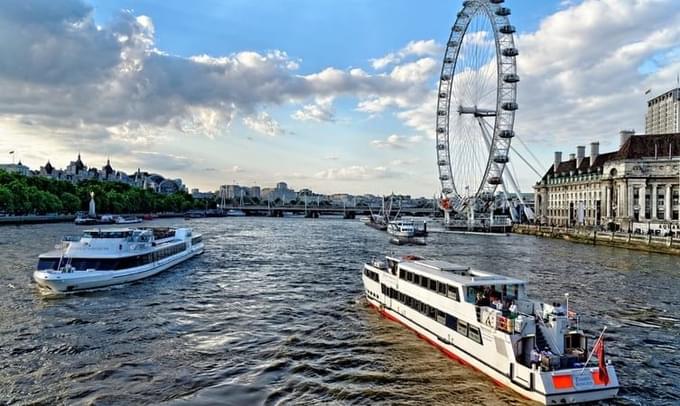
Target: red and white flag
column 602, row 367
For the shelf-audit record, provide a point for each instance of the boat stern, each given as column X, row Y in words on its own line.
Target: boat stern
column 579, row 385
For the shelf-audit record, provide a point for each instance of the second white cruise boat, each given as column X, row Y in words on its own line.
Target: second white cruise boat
column 106, row 257
column 401, row 228
column 488, row 322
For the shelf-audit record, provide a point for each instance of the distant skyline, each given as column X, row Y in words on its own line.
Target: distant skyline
column 334, row 96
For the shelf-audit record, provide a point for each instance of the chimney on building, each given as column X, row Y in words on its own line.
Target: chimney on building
column 572, row 157
column 594, row 152
column 558, row 160
column 580, row 154
column 625, row 136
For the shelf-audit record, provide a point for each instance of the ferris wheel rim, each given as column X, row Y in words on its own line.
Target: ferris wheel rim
column 506, row 100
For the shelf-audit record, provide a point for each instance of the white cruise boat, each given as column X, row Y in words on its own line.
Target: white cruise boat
column 106, row 257
column 401, row 228
column 534, row 348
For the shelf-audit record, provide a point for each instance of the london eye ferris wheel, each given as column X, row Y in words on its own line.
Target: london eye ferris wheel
column 476, row 104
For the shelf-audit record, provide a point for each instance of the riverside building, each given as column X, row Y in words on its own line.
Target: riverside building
column 663, row 113
column 634, row 188
column 76, row 171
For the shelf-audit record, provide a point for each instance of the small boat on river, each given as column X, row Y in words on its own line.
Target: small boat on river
column 128, row 220
column 105, row 257
column 487, row 321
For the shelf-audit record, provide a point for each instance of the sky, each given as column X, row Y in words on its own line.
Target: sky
column 337, row 96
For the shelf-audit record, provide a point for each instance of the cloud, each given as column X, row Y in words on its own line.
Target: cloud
column 264, row 124
column 417, row 74
column 114, row 83
column 404, row 162
column 160, row 161
column 395, row 141
column 356, row 173
column 413, row 48
column 321, row 111
column 589, row 88
column 236, row 169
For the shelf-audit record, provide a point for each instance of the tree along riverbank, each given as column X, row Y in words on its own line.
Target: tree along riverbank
column 640, row 242
column 35, row 196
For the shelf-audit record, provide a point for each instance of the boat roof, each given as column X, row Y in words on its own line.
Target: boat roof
column 458, row 274
column 109, row 230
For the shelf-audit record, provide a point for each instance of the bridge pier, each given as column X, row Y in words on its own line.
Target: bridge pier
column 349, row 215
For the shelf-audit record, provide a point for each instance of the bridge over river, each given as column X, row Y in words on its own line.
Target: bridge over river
column 316, row 211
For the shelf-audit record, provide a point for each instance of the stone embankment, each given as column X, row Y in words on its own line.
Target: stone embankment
column 649, row 243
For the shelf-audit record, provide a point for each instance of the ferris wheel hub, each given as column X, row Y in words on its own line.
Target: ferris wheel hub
column 477, row 112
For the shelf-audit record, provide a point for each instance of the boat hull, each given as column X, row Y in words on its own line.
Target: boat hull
column 89, row 280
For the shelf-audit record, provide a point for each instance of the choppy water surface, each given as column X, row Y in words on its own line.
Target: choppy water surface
column 273, row 313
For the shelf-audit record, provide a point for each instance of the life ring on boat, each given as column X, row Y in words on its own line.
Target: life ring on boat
column 411, row 257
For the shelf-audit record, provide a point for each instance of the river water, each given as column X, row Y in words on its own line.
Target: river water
column 273, row 313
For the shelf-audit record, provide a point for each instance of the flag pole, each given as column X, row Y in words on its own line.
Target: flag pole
column 593, row 350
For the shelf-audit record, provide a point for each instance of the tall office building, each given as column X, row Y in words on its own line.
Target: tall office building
column 663, row 113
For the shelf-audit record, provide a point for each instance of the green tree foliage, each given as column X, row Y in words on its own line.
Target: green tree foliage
column 37, row 195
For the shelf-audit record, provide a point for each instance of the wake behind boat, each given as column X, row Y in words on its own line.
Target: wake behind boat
column 106, row 257
column 488, row 322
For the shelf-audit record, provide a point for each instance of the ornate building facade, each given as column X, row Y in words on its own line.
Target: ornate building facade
column 76, row 171
column 637, row 184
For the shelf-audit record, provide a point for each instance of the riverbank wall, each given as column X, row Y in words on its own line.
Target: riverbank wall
column 649, row 243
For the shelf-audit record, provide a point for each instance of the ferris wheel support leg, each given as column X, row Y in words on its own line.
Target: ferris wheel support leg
column 513, row 182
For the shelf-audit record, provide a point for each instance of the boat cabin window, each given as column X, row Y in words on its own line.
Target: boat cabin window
column 452, row 293
column 433, row 313
column 462, row 328
column 107, row 234
column 392, row 265
column 474, row 334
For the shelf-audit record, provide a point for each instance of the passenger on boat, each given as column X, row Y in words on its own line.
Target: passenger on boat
column 558, row 310
column 535, row 358
column 497, row 304
column 513, row 309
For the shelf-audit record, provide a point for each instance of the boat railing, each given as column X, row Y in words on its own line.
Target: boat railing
column 71, row 238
